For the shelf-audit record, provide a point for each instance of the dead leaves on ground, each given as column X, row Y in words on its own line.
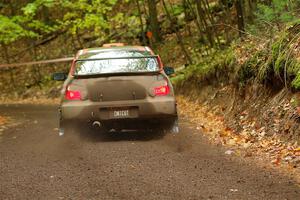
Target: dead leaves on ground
column 251, row 140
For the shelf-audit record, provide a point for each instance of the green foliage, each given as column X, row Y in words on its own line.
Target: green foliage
column 278, row 11
column 82, row 15
column 296, row 82
column 217, row 65
column 11, row 31
column 176, row 9
column 31, row 9
column 265, row 69
column 281, row 63
column 285, row 62
column 249, row 69
column 279, row 53
column 40, row 17
column 278, row 61
column 178, row 79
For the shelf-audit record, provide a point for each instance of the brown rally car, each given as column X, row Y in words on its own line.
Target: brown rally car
column 118, row 88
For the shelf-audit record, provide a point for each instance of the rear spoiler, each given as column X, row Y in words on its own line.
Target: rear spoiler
column 112, row 58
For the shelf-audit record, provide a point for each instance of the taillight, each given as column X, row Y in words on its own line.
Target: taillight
column 73, row 95
column 162, row 90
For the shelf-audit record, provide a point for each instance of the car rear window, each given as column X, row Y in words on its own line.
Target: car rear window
column 116, row 62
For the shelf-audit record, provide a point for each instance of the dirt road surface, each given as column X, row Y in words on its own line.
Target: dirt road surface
column 35, row 163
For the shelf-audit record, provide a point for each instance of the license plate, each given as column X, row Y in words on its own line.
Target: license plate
column 120, row 113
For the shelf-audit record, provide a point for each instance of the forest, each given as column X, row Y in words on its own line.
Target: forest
column 248, row 39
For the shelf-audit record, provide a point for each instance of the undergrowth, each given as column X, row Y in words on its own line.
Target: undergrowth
column 277, row 61
column 206, row 68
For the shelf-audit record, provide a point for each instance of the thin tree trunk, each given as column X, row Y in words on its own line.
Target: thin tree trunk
column 36, row 71
column 226, row 21
column 186, row 17
column 202, row 17
column 79, row 41
column 198, row 23
column 154, row 25
column 251, row 10
column 240, row 17
column 6, row 56
column 212, row 20
column 74, row 43
column 141, row 22
column 178, row 35
column 145, row 8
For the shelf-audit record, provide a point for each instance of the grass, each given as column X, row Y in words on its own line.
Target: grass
column 208, row 68
column 277, row 60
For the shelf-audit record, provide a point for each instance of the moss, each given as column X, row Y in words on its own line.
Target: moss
column 178, row 79
column 276, row 63
column 254, row 67
column 211, row 67
column 296, row 82
column 265, row 69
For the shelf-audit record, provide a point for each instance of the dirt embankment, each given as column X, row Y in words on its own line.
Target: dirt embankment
column 255, row 121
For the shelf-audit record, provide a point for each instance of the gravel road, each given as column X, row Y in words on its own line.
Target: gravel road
column 35, row 163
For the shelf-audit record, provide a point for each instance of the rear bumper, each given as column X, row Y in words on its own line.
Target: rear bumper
column 150, row 108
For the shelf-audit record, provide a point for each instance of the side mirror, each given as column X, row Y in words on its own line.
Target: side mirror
column 59, row 76
column 169, row 70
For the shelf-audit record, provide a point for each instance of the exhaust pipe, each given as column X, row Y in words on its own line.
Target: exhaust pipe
column 96, row 124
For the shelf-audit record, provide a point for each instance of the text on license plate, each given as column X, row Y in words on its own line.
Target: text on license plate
column 121, row 113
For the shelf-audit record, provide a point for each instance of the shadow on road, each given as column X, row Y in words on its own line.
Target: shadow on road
column 96, row 135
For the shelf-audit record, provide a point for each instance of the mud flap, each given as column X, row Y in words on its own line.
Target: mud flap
column 175, row 127
column 61, row 131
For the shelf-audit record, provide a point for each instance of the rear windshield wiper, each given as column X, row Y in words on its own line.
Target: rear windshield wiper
column 114, row 58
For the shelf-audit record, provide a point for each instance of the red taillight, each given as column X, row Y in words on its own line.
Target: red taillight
column 73, row 95
column 162, row 90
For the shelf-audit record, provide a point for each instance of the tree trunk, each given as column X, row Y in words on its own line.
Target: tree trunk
column 198, row 23
column 141, row 22
column 226, row 20
column 212, row 20
column 178, row 35
column 201, row 14
column 186, row 17
column 36, row 71
column 153, row 21
column 6, row 56
column 240, row 17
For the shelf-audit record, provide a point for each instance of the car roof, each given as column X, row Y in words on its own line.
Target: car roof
column 84, row 53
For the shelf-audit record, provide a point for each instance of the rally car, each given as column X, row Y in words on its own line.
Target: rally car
column 117, row 88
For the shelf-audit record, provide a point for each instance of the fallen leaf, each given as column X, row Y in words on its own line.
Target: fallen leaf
column 276, row 161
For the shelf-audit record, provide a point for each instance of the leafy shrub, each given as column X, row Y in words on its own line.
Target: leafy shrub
column 276, row 11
